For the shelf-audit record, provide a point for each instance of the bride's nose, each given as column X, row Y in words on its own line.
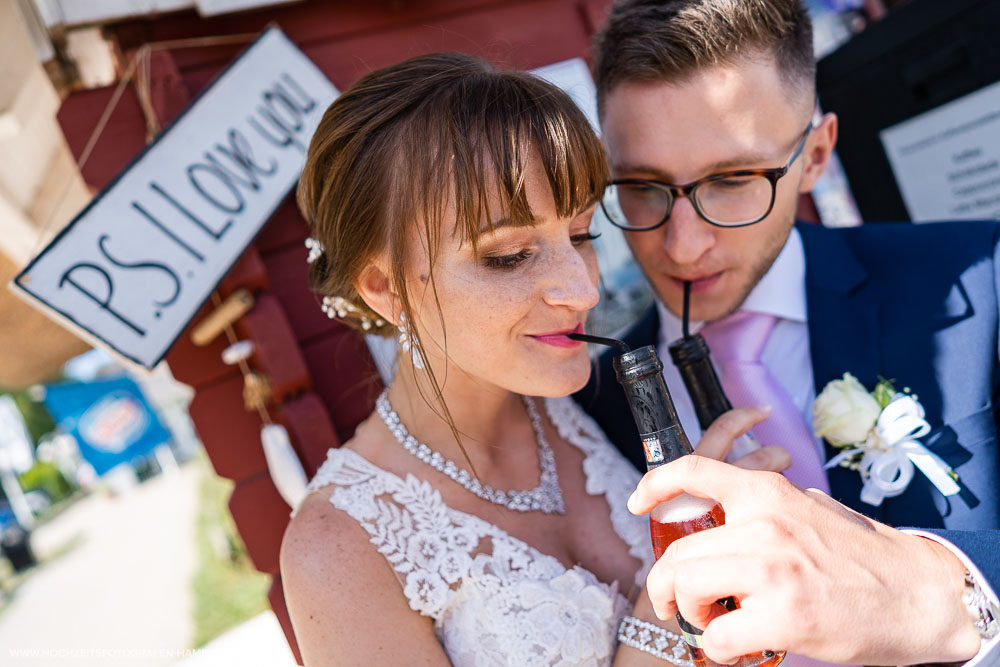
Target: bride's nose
column 571, row 280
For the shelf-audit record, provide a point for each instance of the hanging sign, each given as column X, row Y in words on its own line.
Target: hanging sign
column 110, row 419
column 133, row 267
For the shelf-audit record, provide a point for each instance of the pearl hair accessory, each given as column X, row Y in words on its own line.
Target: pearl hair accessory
column 338, row 306
column 315, row 249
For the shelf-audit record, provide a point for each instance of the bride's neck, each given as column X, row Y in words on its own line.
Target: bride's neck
column 486, row 417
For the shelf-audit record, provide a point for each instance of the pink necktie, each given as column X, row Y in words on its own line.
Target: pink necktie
column 736, row 342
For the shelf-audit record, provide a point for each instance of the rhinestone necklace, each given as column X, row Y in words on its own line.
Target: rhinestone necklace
column 546, row 497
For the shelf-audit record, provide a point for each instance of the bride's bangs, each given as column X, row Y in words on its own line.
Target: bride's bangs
column 497, row 123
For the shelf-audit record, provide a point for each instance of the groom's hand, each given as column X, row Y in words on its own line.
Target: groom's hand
column 812, row 576
column 718, row 440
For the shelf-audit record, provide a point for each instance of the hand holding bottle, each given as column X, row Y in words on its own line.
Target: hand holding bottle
column 812, row 575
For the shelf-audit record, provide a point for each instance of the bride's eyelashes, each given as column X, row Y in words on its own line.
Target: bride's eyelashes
column 580, row 239
column 506, row 261
column 513, row 260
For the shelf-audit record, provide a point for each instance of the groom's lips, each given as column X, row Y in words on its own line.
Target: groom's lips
column 559, row 338
column 698, row 283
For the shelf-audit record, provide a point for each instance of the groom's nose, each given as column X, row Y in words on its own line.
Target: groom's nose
column 686, row 236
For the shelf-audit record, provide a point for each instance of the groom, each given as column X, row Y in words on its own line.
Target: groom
column 689, row 90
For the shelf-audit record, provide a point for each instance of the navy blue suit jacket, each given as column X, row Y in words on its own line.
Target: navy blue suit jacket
column 917, row 304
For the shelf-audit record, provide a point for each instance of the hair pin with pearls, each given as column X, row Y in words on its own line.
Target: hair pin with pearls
column 315, row 249
column 338, row 306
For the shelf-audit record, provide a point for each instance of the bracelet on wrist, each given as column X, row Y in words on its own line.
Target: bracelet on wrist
column 984, row 613
column 654, row 640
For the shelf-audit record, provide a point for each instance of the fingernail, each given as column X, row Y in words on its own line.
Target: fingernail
column 766, row 409
column 631, row 503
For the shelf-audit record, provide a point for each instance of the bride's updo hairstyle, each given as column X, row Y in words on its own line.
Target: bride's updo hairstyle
column 393, row 148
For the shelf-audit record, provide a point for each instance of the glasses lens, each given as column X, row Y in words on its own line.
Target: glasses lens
column 735, row 200
column 635, row 205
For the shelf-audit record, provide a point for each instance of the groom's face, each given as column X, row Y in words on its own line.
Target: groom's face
column 721, row 119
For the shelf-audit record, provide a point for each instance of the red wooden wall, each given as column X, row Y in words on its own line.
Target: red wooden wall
column 323, row 378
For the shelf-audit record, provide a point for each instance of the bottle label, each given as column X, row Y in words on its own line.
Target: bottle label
column 651, row 445
column 691, row 634
column 664, row 445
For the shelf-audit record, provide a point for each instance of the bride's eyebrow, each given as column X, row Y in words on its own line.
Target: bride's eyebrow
column 489, row 227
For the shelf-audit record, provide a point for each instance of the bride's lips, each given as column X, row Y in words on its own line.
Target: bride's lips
column 559, row 338
column 698, row 284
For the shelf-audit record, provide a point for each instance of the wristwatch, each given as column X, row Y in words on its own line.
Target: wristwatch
column 985, row 613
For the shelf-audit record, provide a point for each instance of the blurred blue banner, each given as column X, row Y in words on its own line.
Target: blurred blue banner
column 110, row 419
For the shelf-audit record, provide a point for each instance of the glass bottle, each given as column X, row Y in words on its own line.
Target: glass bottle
column 663, row 439
column 691, row 357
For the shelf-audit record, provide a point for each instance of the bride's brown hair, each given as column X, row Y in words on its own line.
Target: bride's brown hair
column 392, row 148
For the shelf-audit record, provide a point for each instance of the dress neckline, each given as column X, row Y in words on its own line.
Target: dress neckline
column 494, row 529
column 600, row 459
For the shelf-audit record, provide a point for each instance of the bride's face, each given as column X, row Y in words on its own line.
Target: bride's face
column 507, row 306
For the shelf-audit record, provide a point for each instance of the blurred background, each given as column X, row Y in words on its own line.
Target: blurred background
column 141, row 509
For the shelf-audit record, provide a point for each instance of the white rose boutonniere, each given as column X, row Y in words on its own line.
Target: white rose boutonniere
column 845, row 413
column 878, row 433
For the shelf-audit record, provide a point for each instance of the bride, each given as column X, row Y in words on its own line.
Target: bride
column 478, row 516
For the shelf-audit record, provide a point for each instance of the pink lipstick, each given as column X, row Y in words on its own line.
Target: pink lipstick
column 560, row 338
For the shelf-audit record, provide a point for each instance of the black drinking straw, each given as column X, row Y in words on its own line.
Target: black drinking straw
column 686, row 319
column 610, row 342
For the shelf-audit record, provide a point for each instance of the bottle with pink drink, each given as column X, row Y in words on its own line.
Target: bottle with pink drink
column 663, row 439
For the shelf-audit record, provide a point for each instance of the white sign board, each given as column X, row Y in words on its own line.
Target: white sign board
column 133, row 267
column 573, row 76
column 947, row 160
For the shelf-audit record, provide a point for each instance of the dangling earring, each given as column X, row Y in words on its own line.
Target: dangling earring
column 406, row 345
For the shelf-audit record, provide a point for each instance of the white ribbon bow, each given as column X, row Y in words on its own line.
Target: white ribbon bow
column 892, row 451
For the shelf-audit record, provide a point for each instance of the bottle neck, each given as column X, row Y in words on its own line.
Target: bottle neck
column 641, row 374
column 691, row 356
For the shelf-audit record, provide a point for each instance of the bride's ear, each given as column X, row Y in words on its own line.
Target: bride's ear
column 375, row 287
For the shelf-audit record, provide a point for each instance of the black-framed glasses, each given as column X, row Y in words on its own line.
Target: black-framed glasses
column 728, row 199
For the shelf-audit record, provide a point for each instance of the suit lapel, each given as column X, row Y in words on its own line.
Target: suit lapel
column 842, row 312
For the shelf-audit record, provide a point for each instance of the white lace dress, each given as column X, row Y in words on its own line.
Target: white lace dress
column 496, row 600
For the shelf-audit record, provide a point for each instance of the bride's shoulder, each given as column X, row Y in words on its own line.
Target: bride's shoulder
column 320, row 541
column 316, row 518
column 334, row 582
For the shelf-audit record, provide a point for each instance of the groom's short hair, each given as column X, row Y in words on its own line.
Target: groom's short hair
column 669, row 40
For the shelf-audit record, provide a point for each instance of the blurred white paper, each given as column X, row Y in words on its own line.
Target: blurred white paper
column 14, row 439
column 947, row 160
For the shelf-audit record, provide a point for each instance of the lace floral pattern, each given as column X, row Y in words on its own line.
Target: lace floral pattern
column 495, row 600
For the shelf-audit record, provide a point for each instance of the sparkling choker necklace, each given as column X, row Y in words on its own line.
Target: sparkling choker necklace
column 546, row 497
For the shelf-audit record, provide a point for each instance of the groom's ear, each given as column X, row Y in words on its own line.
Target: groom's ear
column 375, row 287
column 818, row 150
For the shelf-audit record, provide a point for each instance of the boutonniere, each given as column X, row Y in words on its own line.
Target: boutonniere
column 877, row 432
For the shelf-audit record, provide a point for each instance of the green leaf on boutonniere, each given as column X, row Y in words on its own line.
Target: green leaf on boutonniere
column 883, row 393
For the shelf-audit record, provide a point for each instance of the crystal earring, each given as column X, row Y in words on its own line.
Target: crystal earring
column 406, row 344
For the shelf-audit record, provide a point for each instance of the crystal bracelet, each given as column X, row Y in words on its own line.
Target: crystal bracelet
column 654, row 640
column 984, row 612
